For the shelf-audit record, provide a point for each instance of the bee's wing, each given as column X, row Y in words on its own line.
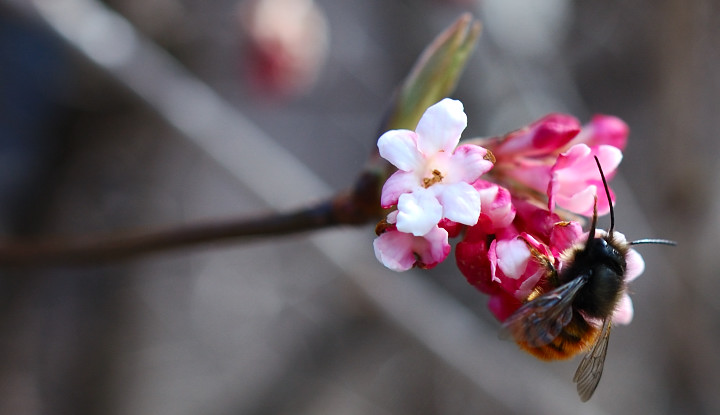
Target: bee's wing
column 540, row 320
column 590, row 370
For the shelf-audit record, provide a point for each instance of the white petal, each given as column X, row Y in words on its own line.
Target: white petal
column 398, row 183
column 418, row 212
column 399, row 147
column 624, row 311
column 468, row 163
column 460, row 202
column 440, row 127
column 394, row 250
column 512, row 257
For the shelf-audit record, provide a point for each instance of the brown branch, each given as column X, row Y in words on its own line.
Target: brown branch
column 355, row 207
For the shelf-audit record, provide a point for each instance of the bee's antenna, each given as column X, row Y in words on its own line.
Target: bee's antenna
column 607, row 192
column 593, row 225
column 653, row 241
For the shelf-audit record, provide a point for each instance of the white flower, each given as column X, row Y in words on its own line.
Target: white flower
column 434, row 177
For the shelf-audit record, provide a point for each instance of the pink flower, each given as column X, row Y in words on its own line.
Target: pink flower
column 286, row 44
column 503, row 305
column 542, row 137
column 497, row 210
column 433, row 177
column 546, row 227
column 515, row 267
column 603, row 130
column 400, row 251
column 575, row 180
column 554, row 156
column 471, row 256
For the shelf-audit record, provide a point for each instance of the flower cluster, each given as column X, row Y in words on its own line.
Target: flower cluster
column 500, row 196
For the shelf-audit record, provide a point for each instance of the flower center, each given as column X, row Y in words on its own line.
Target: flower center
column 435, row 178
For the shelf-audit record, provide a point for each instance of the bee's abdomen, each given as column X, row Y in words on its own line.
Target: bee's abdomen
column 576, row 337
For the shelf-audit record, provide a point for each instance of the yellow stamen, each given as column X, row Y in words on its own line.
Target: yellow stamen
column 436, row 178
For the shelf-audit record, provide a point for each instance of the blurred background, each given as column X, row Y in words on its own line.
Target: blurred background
column 129, row 114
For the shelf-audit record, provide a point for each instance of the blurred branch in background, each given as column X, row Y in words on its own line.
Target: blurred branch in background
column 434, row 77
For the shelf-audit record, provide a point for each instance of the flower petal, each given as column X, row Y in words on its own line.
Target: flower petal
column 432, row 248
column 496, row 205
column 399, row 147
column 460, row 202
column 398, row 183
column 401, row 251
column 635, row 265
column 503, row 305
column 581, row 202
column 624, row 311
column 471, row 256
column 512, row 257
column 418, row 212
column 468, row 163
column 440, row 127
column 543, row 137
column 604, row 129
column 394, row 250
column 575, row 173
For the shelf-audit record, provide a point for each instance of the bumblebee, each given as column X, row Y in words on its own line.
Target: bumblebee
column 572, row 312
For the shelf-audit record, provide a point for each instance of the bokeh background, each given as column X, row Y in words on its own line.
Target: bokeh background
column 129, row 114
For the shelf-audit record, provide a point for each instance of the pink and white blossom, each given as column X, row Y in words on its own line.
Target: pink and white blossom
column 498, row 211
column 575, row 181
column 515, row 266
column 400, row 251
column 555, row 156
column 434, row 174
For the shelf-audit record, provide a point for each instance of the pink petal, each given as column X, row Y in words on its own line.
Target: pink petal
column 496, row 204
column 468, row 163
column 635, row 265
column 401, row 251
column 544, row 136
column 432, row 248
column 398, row 183
column 440, row 127
column 394, row 250
column 581, row 202
column 503, row 305
column 610, row 158
column 493, row 258
column 531, row 280
column 460, row 202
column 471, row 256
column 577, row 165
column 418, row 212
column 399, row 147
column 564, row 235
column 533, row 174
column 624, row 311
column 576, row 179
column 604, row 129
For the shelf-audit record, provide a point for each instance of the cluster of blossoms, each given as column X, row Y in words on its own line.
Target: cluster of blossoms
column 503, row 197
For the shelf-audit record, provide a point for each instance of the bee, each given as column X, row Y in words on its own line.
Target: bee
column 573, row 312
